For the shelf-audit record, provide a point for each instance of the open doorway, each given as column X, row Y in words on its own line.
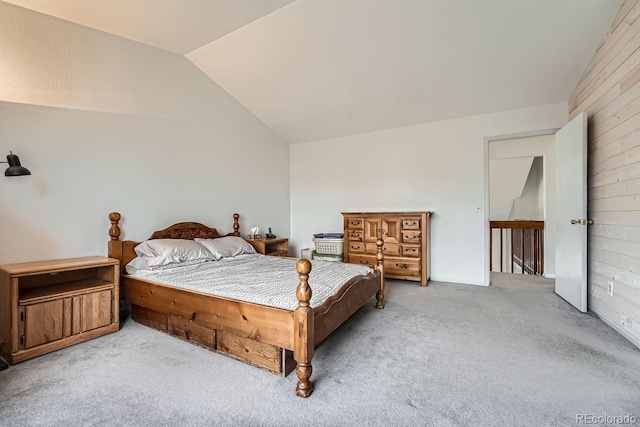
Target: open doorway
column 521, row 204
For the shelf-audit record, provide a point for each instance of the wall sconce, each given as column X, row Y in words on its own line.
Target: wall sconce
column 15, row 169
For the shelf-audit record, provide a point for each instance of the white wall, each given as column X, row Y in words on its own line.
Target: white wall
column 436, row 166
column 507, row 178
column 106, row 124
column 531, row 204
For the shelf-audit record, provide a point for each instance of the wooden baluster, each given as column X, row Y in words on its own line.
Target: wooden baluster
column 490, row 248
column 303, row 340
column 522, row 249
column 115, row 245
column 501, row 248
column 380, row 268
column 512, row 246
column 114, row 231
column 541, row 251
column 236, row 225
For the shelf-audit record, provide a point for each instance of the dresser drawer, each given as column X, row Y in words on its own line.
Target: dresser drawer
column 411, row 223
column 411, row 251
column 356, row 247
column 389, row 249
column 356, row 223
column 355, row 235
column 402, row 267
column 363, row 260
column 411, row 236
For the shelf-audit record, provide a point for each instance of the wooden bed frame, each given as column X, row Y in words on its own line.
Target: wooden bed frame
column 271, row 338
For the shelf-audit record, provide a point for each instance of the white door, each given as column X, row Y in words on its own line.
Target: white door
column 571, row 212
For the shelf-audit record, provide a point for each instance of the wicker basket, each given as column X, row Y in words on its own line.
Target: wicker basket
column 329, row 246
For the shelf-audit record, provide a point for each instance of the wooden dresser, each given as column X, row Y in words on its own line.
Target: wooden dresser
column 406, row 242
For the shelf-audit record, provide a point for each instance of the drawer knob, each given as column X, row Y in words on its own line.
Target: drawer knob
column 402, row 266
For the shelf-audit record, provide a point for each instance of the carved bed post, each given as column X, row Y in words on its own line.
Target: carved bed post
column 303, row 339
column 115, row 244
column 236, row 225
column 380, row 268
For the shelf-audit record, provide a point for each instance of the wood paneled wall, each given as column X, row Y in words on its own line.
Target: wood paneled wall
column 609, row 92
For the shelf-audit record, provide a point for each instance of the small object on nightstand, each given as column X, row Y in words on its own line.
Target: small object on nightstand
column 270, row 235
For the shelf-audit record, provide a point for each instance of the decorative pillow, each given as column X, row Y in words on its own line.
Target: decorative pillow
column 172, row 250
column 157, row 263
column 224, row 247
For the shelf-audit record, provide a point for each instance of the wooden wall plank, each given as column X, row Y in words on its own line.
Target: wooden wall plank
column 615, row 246
column 622, row 13
column 617, row 232
column 613, row 53
column 608, row 97
column 605, row 81
column 629, row 218
column 624, row 299
column 631, row 281
column 615, row 190
column 613, row 35
column 609, row 92
column 621, row 109
column 607, row 157
column 625, row 173
column 613, row 204
column 621, row 261
column 625, row 158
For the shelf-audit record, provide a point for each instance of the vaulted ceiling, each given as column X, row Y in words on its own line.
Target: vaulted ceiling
column 317, row 69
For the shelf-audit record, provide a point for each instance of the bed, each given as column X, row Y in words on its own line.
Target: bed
column 276, row 338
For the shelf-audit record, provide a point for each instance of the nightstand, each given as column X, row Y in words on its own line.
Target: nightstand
column 49, row 305
column 274, row 247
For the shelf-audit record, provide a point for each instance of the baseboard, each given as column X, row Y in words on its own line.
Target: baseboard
column 616, row 327
column 550, row 276
column 456, row 281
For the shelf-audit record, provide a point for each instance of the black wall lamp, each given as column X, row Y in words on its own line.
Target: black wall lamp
column 15, row 169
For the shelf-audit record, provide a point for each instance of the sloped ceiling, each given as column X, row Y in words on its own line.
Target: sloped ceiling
column 316, row 69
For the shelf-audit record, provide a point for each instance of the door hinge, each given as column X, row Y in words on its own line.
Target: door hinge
column 21, row 339
column 22, row 316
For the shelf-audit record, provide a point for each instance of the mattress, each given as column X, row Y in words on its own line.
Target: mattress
column 258, row 279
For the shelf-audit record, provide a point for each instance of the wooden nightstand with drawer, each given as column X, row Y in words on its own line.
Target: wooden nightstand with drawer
column 49, row 305
column 274, row 247
column 406, row 242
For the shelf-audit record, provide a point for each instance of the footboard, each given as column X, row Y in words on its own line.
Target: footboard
column 312, row 326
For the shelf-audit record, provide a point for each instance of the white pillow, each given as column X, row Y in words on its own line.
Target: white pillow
column 172, row 250
column 156, row 263
column 229, row 246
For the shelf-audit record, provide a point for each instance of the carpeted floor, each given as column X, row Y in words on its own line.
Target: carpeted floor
column 513, row 354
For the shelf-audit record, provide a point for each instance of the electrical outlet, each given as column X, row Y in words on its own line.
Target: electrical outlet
column 610, row 288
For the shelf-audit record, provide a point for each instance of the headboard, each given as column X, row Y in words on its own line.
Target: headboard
column 123, row 250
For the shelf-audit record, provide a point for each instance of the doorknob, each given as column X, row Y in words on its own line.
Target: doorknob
column 583, row 221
